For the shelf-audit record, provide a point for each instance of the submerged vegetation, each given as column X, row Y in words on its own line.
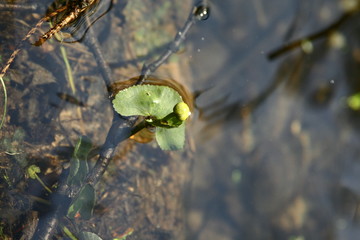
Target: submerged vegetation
column 70, row 193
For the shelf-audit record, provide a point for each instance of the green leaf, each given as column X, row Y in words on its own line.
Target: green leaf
column 171, row 138
column 170, row 121
column 89, row 236
column 83, row 204
column 78, row 164
column 32, row 171
column 146, row 100
column 164, row 107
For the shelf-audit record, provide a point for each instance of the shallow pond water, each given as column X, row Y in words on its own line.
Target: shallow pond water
column 277, row 144
column 272, row 150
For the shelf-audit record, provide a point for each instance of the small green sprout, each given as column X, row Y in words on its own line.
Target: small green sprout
column 32, row 171
column 163, row 108
column 7, row 179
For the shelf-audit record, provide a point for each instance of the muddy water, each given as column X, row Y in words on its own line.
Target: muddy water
column 272, row 150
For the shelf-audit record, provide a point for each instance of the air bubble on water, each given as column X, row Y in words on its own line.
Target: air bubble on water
column 202, row 39
column 198, row 50
column 332, row 81
column 202, row 12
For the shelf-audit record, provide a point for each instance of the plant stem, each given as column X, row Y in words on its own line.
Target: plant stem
column 68, row 69
column 200, row 11
column 92, row 43
column 317, row 35
column 42, row 183
column 69, row 233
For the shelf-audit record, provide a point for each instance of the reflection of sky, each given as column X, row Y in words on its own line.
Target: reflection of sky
column 294, row 148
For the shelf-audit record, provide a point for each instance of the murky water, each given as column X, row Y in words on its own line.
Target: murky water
column 273, row 148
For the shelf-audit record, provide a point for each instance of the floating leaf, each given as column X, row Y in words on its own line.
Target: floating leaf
column 164, row 108
column 146, row 100
column 83, row 204
column 171, row 138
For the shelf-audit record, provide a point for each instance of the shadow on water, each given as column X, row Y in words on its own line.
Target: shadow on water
column 286, row 140
column 272, row 152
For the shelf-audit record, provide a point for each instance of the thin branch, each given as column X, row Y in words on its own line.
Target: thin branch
column 200, row 11
column 315, row 36
column 92, row 43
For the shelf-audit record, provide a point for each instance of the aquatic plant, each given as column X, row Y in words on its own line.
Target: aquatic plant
column 75, row 197
column 32, row 171
column 162, row 107
column 84, row 202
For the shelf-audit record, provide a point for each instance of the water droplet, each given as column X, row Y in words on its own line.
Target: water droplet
column 202, row 12
column 198, row 50
column 332, row 81
column 202, row 39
